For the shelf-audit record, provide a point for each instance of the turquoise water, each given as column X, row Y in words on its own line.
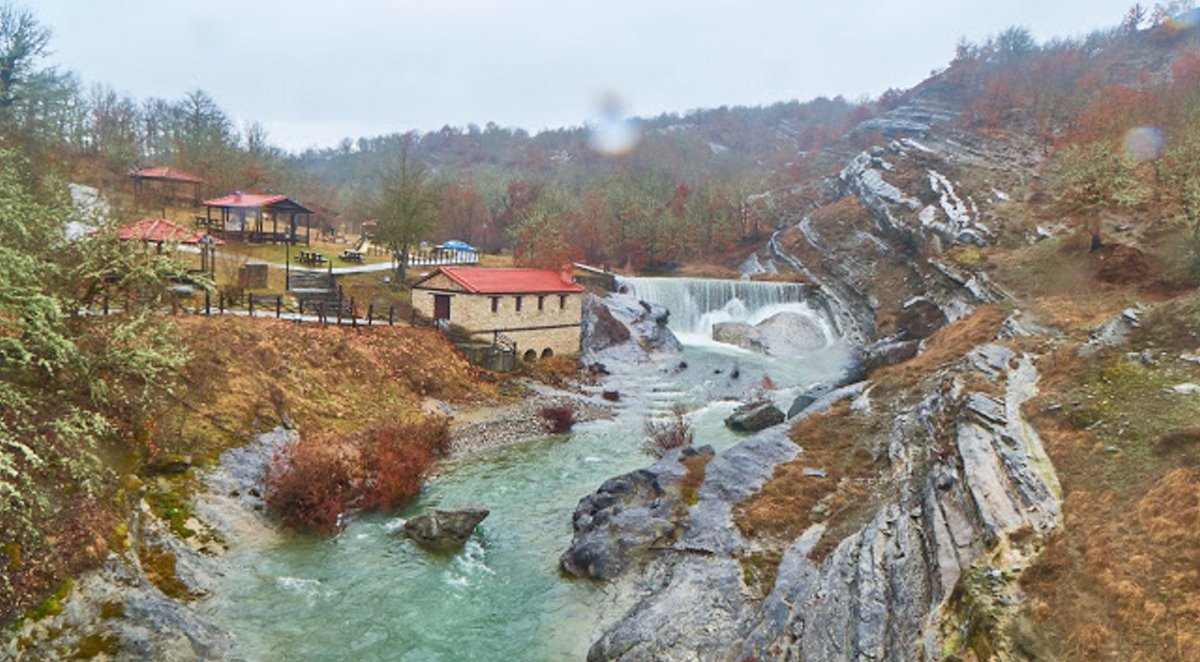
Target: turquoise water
column 368, row 594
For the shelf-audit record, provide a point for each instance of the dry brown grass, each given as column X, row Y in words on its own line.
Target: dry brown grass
column 943, row 348
column 838, row 220
column 838, row 442
column 254, row 373
column 696, row 466
column 1121, row 579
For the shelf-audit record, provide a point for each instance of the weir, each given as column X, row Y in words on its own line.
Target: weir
column 696, row 304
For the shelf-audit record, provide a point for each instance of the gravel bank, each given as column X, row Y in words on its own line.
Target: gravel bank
column 492, row 427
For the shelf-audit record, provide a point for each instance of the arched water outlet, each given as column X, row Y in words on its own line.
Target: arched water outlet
column 696, row 304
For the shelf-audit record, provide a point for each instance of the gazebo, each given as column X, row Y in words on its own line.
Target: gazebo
column 243, row 216
column 159, row 231
column 169, row 178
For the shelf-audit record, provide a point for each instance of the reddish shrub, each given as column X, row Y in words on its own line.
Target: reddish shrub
column 666, row 435
column 313, row 483
column 310, row 485
column 397, row 461
column 560, row 418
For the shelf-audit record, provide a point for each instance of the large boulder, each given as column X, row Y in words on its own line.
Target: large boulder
column 920, row 318
column 622, row 520
column 445, row 530
column 782, row 334
column 754, row 416
column 619, row 328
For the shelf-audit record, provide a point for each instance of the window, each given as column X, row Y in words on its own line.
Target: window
column 562, row 302
column 518, row 304
column 495, row 304
column 541, row 303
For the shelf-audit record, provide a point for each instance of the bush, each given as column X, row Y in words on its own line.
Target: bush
column 669, row 434
column 310, row 485
column 398, row 458
column 315, row 482
column 561, row 418
column 611, row 396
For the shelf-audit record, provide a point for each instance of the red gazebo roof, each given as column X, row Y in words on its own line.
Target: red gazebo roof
column 508, row 281
column 159, row 230
column 165, row 173
column 256, row 201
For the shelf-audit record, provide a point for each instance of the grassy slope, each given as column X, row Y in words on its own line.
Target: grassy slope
column 244, row 375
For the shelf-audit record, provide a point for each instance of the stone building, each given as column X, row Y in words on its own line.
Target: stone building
column 538, row 310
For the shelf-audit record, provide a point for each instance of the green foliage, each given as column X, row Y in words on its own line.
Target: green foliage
column 68, row 380
column 1180, row 173
column 1097, row 177
column 24, row 84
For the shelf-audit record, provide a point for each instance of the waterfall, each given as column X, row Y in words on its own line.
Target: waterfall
column 696, row 304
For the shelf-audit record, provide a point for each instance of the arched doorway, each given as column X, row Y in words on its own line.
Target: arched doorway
column 530, row 355
column 547, row 353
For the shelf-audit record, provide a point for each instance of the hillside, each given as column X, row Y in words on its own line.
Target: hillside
column 1009, row 468
column 1020, row 484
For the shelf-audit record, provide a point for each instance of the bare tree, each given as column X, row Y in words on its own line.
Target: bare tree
column 406, row 207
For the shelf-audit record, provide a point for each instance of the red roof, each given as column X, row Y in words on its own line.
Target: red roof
column 246, row 200
column 163, row 172
column 507, row 281
column 159, row 229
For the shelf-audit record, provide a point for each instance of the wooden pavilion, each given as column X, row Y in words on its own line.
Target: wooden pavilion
column 168, row 182
column 243, row 216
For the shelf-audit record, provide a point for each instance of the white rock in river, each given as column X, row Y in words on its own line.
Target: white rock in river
column 782, row 334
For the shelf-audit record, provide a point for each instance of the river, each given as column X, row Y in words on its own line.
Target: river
column 368, row 594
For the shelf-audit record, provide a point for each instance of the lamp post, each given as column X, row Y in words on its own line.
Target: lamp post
column 287, row 264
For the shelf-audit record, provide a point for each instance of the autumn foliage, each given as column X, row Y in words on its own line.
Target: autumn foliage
column 317, row 481
column 558, row 418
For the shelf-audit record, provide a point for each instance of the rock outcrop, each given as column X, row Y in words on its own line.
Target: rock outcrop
column 966, row 493
column 619, row 328
column 445, row 530
column 622, row 520
column 782, row 334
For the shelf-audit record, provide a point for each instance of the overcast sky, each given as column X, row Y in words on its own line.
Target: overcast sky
column 314, row 72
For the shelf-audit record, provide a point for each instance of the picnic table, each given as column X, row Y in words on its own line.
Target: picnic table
column 310, row 257
column 351, row 255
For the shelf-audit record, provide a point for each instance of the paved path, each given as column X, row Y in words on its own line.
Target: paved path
column 337, row 271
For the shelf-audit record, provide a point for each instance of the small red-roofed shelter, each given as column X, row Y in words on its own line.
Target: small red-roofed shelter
column 536, row 313
column 168, row 181
column 159, row 231
column 243, row 216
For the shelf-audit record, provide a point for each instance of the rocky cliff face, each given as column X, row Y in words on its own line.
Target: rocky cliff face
column 964, row 500
column 960, row 496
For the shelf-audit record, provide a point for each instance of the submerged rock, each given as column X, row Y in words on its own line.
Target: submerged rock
column 754, row 416
column 446, row 530
column 782, row 334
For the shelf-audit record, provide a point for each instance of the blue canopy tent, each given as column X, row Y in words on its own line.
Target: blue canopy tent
column 456, row 245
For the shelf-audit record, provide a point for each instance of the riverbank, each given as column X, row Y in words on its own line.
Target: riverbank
column 486, row 427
